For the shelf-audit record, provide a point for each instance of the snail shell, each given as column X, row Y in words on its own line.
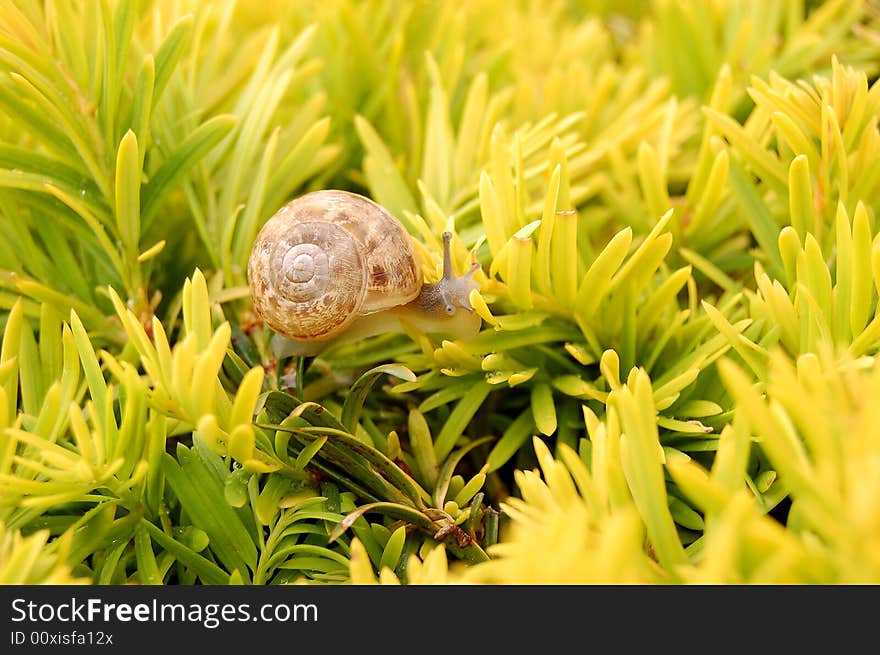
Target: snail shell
column 327, row 258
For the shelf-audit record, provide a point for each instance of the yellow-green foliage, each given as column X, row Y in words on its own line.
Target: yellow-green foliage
column 28, row 560
column 818, row 426
column 675, row 209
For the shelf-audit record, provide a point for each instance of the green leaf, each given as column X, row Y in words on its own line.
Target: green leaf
column 436, row 163
column 684, row 515
column 266, row 506
column 117, row 44
column 862, row 257
column 762, row 159
column 444, row 477
column 240, row 234
column 306, row 454
column 299, row 164
column 278, row 405
column 365, row 464
column 451, row 390
column 142, row 104
column 47, row 100
column 235, row 490
column 800, row 196
column 94, row 530
column 318, row 416
column 458, row 420
column 393, row 549
column 90, row 366
column 564, row 256
column 51, row 170
column 201, row 495
column 29, row 371
column 169, row 54
column 383, row 177
column 326, row 559
column 34, row 120
column 543, row 408
column 393, row 510
column 128, row 187
column 209, row 572
column 642, row 461
column 147, row 567
column 596, row 282
column 423, row 448
column 512, row 439
column 758, row 217
column 469, row 490
column 357, row 395
column 203, row 139
column 108, row 572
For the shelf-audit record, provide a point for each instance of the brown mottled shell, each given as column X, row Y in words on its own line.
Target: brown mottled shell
column 326, row 258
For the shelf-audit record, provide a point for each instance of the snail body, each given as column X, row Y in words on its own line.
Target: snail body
column 333, row 266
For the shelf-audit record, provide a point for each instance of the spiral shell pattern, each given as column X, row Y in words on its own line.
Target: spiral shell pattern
column 326, row 258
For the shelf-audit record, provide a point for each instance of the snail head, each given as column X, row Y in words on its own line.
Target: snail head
column 451, row 292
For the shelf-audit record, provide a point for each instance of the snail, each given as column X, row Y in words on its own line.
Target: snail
column 333, row 266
